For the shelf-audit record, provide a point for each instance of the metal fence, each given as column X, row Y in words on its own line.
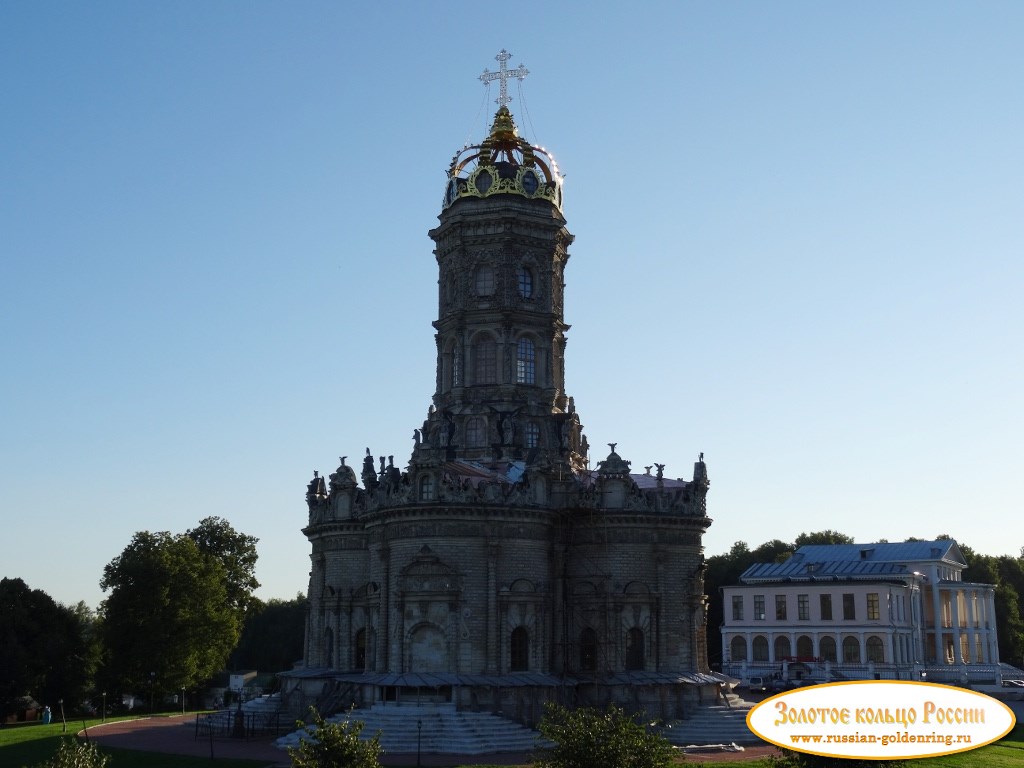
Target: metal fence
column 238, row 724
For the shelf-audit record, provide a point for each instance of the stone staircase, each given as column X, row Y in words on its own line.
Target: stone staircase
column 714, row 724
column 443, row 730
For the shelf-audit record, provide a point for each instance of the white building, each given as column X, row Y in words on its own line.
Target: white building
column 862, row 611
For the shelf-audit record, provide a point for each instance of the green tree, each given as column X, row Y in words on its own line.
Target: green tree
column 590, row 738
column 774, row 551
column 168, row 623
column 335, row 745
column 236, row 552
column 822, row 537
column 272, row 635
column 45, row 648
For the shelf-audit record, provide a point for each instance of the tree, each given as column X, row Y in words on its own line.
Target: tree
column 590, row 738
column 45, row 648
column 168, row 623
column 822, row 537
column 774, row 551
column 272, row 635
column 335, row 745
column 236, row 552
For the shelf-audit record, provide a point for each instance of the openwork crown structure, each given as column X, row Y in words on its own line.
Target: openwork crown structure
column 504, row 164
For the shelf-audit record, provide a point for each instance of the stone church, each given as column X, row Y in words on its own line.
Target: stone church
column 498, row 569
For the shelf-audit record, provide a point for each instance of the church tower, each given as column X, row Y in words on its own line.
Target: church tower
column 499, row 570
column 501, row 250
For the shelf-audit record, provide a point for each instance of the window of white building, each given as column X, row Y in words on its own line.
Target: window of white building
column 872, row 606
column 803, row 607
column 758, row 607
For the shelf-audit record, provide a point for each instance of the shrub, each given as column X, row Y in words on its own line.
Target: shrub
column 590, row 738
column 335, row 745
column 72, row 754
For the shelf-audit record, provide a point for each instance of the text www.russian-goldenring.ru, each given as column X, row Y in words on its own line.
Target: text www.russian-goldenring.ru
column 885, row 739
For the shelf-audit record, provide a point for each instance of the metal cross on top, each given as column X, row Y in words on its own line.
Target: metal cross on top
column 503, row 74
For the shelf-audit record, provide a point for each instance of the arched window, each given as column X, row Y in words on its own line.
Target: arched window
column 875, row 649
column 588, row 650
column 427, row 488
column 738, row 649
column 851, row 650
column 484, row 282
column 634, row 650
column 360, row 645
column 760, row 648
column 526, row 362
column 782, row 648
column 827, row 648
column 476, row 434
column 525, row 279
column 532, row 435
column 520, row 647
column 804, row 647
column 485, row 361
column 329, row 647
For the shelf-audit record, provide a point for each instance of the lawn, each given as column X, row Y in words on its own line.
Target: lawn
column 27, row 745
column 1006, row 753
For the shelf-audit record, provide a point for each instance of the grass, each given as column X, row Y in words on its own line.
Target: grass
column 32, row 743
column 29, row 745
column 1008, row 752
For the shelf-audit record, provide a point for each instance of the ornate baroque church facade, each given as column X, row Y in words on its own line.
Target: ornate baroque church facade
column 498, row 570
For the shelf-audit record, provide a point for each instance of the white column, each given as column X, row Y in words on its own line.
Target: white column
column 990, row 624
column 937, row 610
column 954, row 607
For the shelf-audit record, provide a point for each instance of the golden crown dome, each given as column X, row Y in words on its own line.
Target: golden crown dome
column 503, row 164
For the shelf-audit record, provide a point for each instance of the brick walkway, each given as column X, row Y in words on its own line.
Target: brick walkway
column 176, row 736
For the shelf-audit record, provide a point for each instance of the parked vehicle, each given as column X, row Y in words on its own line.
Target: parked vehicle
column 758, row 684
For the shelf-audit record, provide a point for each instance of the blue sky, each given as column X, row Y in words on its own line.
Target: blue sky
column 799, row 230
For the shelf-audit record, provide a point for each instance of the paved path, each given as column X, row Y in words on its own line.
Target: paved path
column 176, row 736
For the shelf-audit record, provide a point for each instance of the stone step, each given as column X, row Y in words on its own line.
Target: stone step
column 437, row 728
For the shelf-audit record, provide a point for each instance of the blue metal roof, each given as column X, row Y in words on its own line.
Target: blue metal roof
column 815, row 562
column 885, row 552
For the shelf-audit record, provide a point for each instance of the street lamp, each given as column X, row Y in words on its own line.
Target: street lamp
column 183, row 700
column 104, row 706
column 152, row 686
column 419, row 734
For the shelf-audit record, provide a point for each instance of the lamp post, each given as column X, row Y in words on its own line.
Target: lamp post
column 104, row 706
column 152, row 686
column 183, row 700
column 64, row 728
column 419, row 735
